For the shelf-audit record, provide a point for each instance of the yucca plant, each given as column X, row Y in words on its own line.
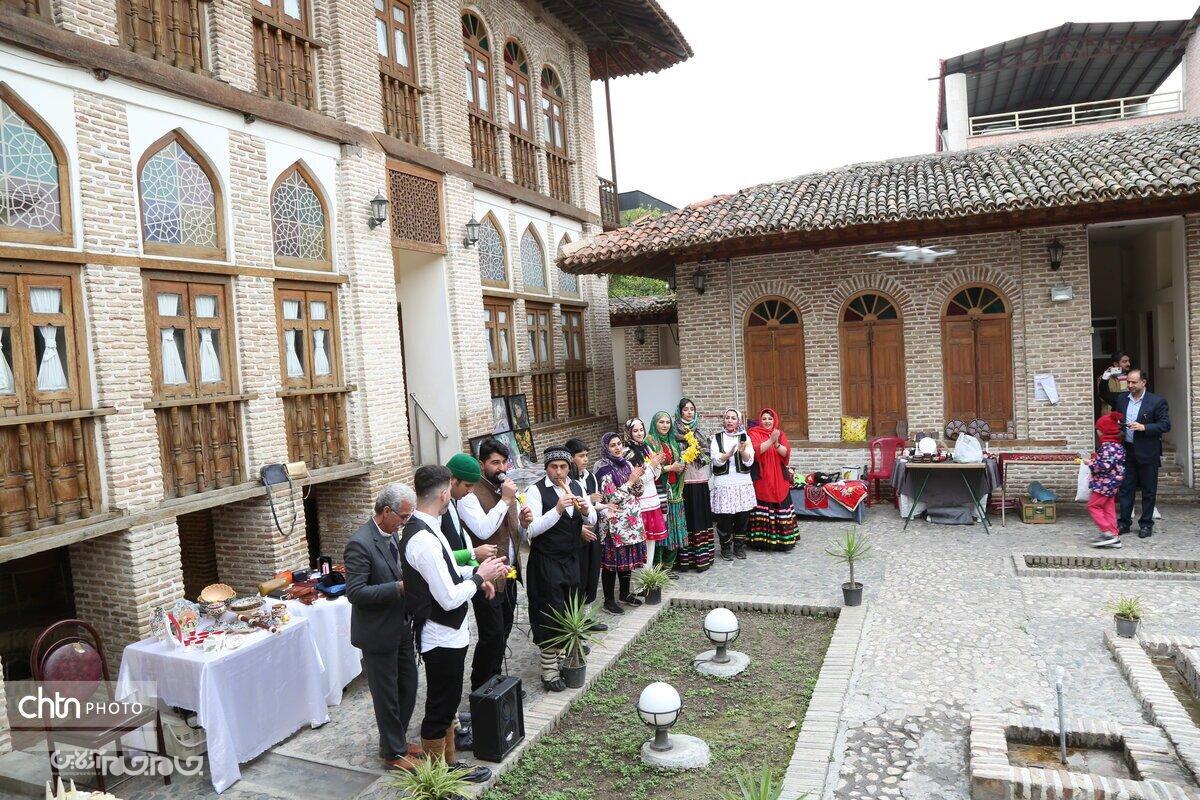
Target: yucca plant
column 761, row 784
column 431, row 779
column 1128, row 607
column 572, row 628
column 851, row 548
column 649, row 578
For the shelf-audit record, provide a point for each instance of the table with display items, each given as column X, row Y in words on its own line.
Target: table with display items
column 944, row 500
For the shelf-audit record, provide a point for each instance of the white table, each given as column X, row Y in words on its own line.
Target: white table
column 330, row 622
column 246, row 699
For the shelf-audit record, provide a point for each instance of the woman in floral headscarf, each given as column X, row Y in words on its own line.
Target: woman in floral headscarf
column 670, row 489
column 697, row 501
column 645, row 452
column 773, row 520
column 622, row 535
column 733, row 489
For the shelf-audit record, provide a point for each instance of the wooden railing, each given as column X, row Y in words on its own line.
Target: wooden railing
column 505, row 384
column 543, row 408
column 577, row 392
column 485, row 147
column 558, row 170
column 199, row 443
column 524, row 161
column 315, row 420
column 31, row 8
column 171, row 31
column 284, row 63
column 401, row 108
column 47, row 470
column 610, row 208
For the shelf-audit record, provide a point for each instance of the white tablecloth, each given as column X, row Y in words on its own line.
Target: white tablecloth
column 330, row 622
column 246, row 699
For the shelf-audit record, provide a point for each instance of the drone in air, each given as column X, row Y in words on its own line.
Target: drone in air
column 911, row 254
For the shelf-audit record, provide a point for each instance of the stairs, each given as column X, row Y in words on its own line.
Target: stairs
column 1171, row 487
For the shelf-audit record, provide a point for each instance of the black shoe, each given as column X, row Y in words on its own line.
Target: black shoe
column 475, row 774
column 1145, row 533
column 1122, row 531
column 464, row 740
column 464, row 719
column 727, row 553
column 587, row 650
column 630, row 600
column 739, row 550
column 556, row 685
column 673, row 575
column 613, row 608
column 600, row 627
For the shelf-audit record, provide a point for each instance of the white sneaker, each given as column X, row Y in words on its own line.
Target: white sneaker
column 1107, row 540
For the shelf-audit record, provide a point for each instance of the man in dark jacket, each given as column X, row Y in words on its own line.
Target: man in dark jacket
column 1146, row 420
column 379, row 622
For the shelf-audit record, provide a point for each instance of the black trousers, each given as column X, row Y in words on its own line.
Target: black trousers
column 392, row 678
column 589, row 570
column 732, row 527
column 1137, row 476
column 550, row 579
column 444, row 667
column 494, row 618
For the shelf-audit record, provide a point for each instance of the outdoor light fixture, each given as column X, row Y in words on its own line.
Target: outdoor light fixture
column 379, row 207
column 659, row 707
column 1055, row 249
column 698, row 280
column 1061, row 294
column 639, row 335
column 721, row 628
column 671, row 283
column 472, row 233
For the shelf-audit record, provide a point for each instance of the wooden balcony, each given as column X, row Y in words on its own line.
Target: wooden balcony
column 315, row 420
column 505, row 383
column 543, row 408
column 485, row 144
column 401, row 108
column 524, row 161
column 200, row 443
column 610, row 208
column 558, row 170
column 170, row 31
column 47, row 470
column 284, row 63
column 31, row 8
column 577, row 392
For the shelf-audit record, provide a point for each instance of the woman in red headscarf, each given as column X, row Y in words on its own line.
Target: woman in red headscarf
column 773, row 520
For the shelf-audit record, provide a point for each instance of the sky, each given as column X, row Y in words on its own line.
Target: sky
column 781, row 87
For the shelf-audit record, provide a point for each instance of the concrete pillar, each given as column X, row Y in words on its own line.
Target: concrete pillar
column 957, row 112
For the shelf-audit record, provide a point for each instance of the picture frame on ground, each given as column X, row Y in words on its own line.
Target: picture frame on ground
column 524, row 438
column 500, row 421
column 518, row 412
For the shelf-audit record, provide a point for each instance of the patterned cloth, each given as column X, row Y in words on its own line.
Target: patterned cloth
column 700, row 550
column 622, row 558
column 848, row 494
column 733, row 499
column 773, row 526
column 1108, row 469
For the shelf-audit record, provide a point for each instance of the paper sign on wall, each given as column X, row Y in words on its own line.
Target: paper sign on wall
column 1044, row 388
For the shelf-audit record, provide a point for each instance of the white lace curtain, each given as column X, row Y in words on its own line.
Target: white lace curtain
column 173, row 373
column 291, row 310
column 210, row 360
column 51, row 375
column 320, row 357
column 7, row 385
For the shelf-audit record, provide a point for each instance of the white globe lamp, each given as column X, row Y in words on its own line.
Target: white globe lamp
column 659, row 706
column 721, row 628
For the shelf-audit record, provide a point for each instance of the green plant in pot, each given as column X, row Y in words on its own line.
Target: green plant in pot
column 651, row 581
column 572, row 629
column 851, row 548
column 1128, row 612
column 432, row 779
column 760, row 784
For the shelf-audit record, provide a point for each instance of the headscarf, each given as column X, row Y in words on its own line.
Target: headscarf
column 609, row 466
column 682, row 426
column 672, row 480
column 741, row 423
column 638, row 451
column 771, row 485
column 1109, row 426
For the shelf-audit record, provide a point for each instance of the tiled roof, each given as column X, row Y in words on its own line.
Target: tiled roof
column 1148, row 162
column 634, row 310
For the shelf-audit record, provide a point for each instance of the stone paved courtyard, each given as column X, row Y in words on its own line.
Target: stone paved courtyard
column 949, row 629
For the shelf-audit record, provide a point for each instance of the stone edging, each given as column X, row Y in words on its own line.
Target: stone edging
column 1076, row 566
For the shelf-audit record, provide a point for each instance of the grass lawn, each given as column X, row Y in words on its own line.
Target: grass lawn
column 747, row 721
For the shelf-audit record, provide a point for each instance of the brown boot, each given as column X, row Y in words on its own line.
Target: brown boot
column 451, row 751
column 434, row 748
column 404, row 763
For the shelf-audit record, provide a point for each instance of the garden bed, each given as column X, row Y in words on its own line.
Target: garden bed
column 748, row 721
column 1097, row 566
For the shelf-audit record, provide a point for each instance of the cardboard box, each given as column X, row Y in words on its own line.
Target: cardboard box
column 1038, row 513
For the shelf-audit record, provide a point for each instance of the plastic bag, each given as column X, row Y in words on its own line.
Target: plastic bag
column 1082, row 492
column 968, row 449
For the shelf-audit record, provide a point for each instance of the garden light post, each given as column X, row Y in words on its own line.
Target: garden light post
column 721, row 628
column 659, row 706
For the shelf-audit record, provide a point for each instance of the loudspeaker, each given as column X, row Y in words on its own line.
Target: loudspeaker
column 497, row 718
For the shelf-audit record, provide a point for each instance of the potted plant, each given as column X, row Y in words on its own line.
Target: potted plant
column 763, row 784
column 651, row 581
column 851, row 548
column 432, row 779
column 572, row 629
column 1128, row 612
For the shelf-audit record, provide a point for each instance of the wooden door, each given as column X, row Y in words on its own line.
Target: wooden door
column 958, row 358
column 993, row 370
column 775, row 376
column 873, row 369
column 977, row 357
column 887, row 377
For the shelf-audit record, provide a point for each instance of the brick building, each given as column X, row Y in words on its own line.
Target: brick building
column 237, row 234
column 1075, row 233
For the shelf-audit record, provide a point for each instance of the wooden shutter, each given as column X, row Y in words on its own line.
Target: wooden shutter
column 887, row 372
column 856, row 371
column 760, row 368
column 993, row 357
column 958, row 359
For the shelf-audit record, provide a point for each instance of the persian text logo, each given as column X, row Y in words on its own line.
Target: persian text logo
column 155, row 766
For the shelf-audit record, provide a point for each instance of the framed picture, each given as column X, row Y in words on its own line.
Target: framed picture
column 524, row 439
column 518, row 412
column 514, row 450
column 500, row 422
column 476, row 441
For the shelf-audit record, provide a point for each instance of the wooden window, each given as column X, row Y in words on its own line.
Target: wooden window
column 572, row 325
column 290, row 15
column 977, row 356
column 872, row 356
column 541, row 337
column 181, row 204
column 775, row 375
column 493, row 261
column 308, row 337
column 554, row 118
column 40, row 367
column 477, row 61
column 396, row 46
column 300, row 221
column 533, row 261
column 35, row 193
column 171, row 31
column 416, row 208
column 516, row 90
column 191, row 338
column 578, row 397
column 283, row 51
column 498, row 328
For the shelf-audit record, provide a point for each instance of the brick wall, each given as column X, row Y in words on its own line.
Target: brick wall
column 197, row 552
column 250, row 549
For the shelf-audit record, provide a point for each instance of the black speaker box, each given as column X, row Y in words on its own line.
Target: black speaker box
column 497, row 718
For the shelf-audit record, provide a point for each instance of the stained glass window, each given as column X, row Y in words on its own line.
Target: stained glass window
column 299, row 220
column 533, row 262
column 29, row 172
column 867, row 307
column 567, row 283
column 491, row 254
column 178, row 201
column 975, row 300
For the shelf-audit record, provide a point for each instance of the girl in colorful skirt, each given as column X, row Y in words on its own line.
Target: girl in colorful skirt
column 700, row 550
column 670, row 488
column 622, row 535
column 773, row 520
column 642, row 452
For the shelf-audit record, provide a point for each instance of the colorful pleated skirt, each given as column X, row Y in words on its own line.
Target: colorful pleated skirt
column 772, row 526
column 700, row 550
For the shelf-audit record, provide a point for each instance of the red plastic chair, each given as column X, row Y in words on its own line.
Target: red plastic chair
column 883, row 459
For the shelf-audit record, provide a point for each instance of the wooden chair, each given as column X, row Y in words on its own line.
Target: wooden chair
column 71, row 652
column 883, row 453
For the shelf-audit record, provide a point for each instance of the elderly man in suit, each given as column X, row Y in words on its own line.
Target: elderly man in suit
column 1146, row 420
column 380, row 625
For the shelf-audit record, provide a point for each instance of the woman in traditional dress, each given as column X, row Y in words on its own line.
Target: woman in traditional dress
column 773, row 520
column 670, row 488
column 622, row 536
column 643, row 452
column 733, row 489
column 697, row 502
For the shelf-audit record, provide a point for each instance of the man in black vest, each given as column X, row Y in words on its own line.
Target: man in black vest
column 560, row 509
column 438, row 592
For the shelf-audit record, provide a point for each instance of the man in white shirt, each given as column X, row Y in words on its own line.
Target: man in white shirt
column 554, row 536
column 437, row 592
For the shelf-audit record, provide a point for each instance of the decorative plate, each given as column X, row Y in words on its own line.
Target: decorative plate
column 954, row 427
column 244, row 604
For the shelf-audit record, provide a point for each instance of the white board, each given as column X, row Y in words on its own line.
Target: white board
column 656, row 389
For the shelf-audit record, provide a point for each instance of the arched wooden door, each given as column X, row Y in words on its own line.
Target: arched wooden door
column 977, row 356
column 775, row 364
column 872, row 352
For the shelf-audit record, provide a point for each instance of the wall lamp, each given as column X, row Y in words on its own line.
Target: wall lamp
column 639, row 335
column 472, row 237
column 1055, row 249
column 698, row 279
column 379, row 209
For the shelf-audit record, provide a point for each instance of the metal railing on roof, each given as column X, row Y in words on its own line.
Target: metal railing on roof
column 1144, row 105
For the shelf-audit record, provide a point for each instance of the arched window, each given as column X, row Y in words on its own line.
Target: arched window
column 493, row 266
column 554, row 118
column 872, row 355
column 300, row 221
column 977, row 356
column 516, row 90
column 774, row 339
column 477, row 59
column 568, row 283
column 533, row 261
column 33, row 172
column 181, row 201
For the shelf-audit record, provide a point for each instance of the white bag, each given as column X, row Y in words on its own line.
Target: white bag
column 1082, row 492
column 968, row 449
